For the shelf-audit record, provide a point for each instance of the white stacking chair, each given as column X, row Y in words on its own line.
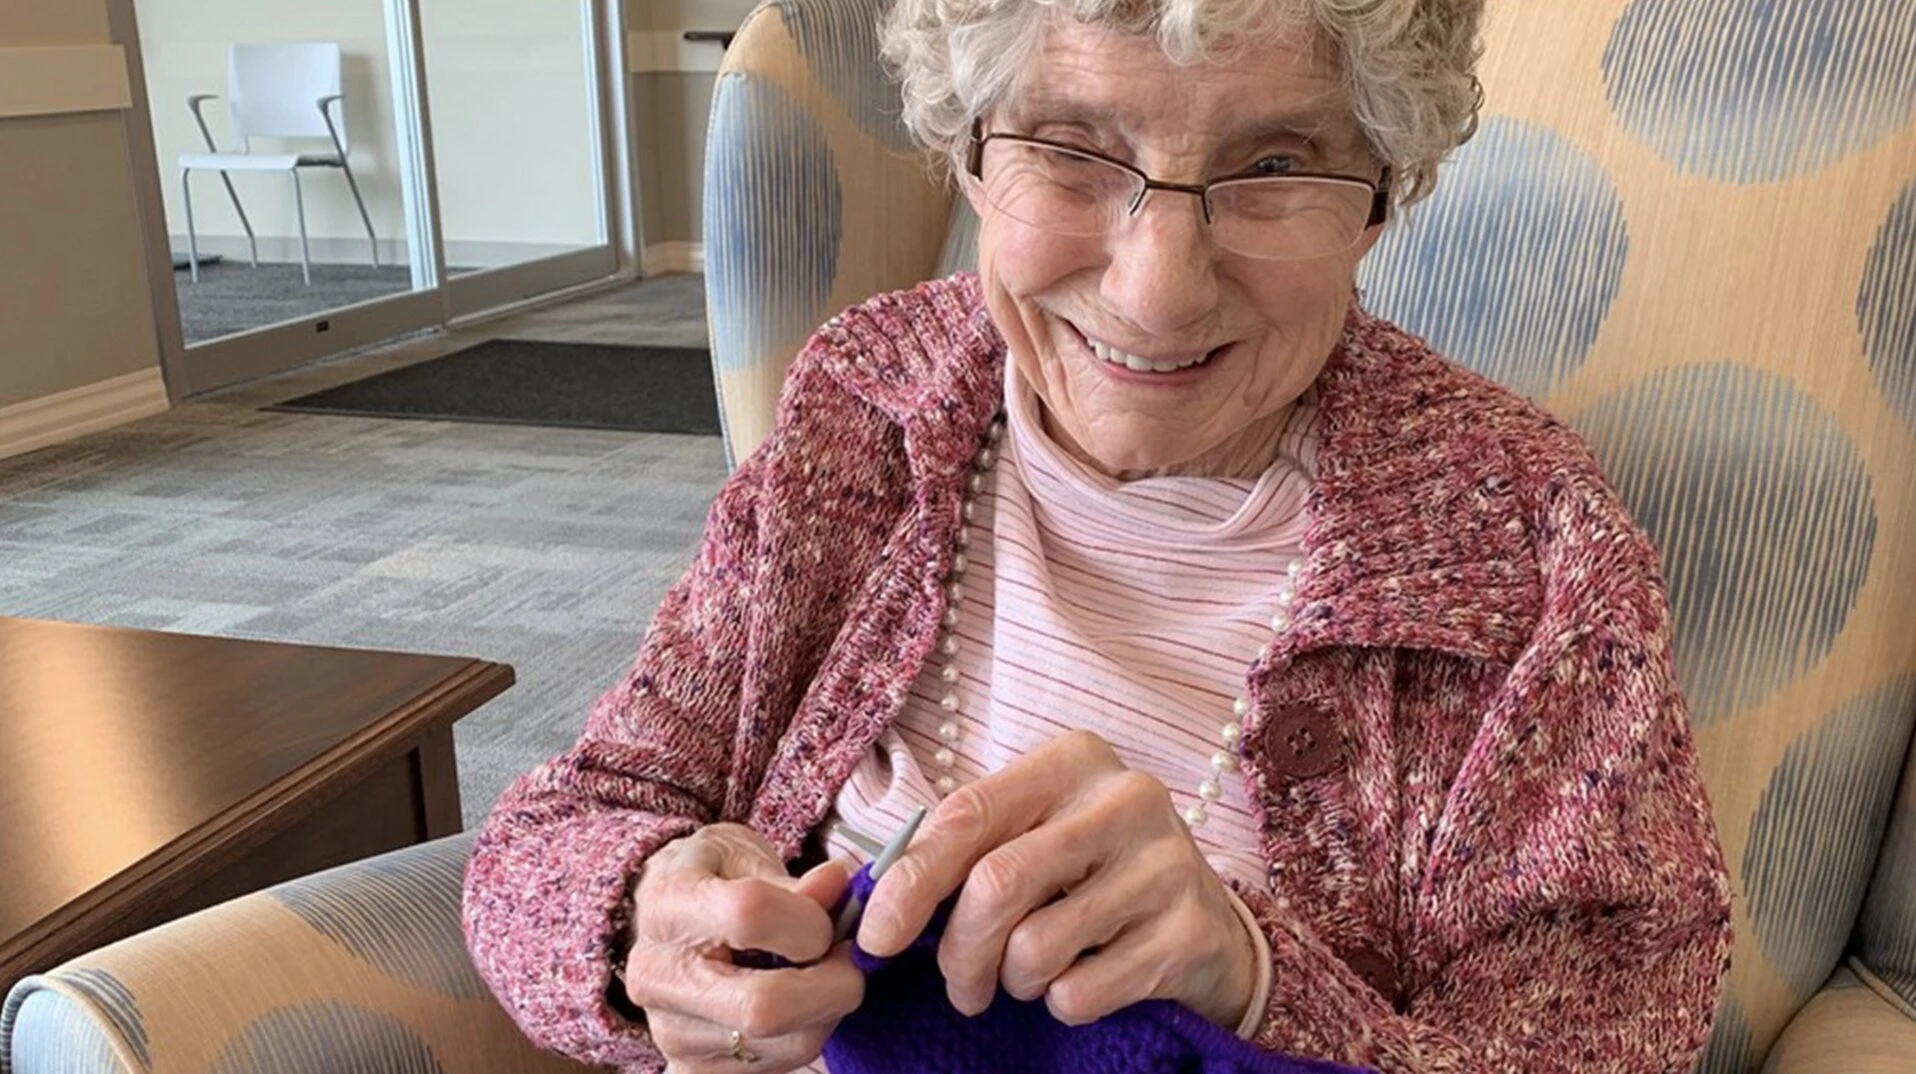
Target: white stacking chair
column 281, row 90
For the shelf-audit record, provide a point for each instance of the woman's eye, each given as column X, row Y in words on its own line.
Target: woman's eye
column 1081, row 145
column 1274, row 165
column 1069, row 137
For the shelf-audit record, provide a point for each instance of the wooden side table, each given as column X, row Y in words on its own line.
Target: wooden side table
column 145, row 775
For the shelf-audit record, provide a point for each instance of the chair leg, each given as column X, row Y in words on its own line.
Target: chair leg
column 299, row 205
column 364, row 216
column 252, row 241
column 192, row 239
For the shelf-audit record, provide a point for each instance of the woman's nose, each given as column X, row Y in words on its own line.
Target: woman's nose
column 1162, row 275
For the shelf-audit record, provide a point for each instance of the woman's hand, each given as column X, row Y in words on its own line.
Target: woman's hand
column 719, row 890
column 1081, row 884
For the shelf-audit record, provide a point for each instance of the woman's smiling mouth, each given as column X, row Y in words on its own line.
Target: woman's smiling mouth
column 1118, row 358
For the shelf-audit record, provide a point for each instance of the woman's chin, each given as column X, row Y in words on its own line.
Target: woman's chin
column 1134, row 460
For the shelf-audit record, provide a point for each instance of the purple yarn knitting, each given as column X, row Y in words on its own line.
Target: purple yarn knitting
column 906, row 1025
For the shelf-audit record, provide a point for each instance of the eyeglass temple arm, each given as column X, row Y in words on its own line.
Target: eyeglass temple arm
column 1380, row 202
column 975, row 156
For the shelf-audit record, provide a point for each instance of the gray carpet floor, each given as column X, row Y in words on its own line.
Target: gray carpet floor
column 544, row 548
column 232, row 296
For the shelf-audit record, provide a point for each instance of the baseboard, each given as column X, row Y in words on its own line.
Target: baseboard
column 674, row 257
column 39, row 423
column 284, row 249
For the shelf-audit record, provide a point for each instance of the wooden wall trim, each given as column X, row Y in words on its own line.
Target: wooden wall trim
column 63, row 79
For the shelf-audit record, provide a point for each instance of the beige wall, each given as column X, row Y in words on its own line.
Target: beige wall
column 23, row 25
column 671, row 110
column 673, row 145
column 699, row 14
column 74, row 305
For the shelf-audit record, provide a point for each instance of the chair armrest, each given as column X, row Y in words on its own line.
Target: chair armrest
column 365, row 964
column 193, row 104
column 326, row 113
column 1847, row 1028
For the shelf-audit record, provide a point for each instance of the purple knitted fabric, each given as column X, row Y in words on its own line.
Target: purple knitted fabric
column 906, row 1025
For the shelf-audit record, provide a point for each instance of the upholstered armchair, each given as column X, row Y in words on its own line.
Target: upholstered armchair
column 1687, row 226
column 358, row 970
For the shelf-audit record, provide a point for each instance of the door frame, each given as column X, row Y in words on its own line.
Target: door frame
column 436, row 302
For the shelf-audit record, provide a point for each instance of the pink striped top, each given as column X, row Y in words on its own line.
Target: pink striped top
column 1133, row 610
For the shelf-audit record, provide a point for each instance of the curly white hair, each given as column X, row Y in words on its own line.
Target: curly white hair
column 1408, row 65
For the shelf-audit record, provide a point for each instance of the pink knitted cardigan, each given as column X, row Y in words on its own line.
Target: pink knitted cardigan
column 1513, row 866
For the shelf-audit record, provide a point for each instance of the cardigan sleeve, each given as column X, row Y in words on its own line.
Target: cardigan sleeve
column 546, row 888
column 792, row 549
column 686, row 736
column 1574, row 913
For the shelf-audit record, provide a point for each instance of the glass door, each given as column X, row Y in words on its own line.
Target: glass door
column 518, row 146
column 280, row 195
column 328, row 176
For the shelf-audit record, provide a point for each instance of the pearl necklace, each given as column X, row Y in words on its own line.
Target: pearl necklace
column 1226, row 759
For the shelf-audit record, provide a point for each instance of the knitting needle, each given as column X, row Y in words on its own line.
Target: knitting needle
column 847, row 920
column 854, row 907
column 859, row 839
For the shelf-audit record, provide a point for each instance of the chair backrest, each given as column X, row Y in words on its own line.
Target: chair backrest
column 1689, row 228
column 815, row 199
column 274, row 89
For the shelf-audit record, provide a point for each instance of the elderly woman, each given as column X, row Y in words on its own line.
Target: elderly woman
column 1250, row 655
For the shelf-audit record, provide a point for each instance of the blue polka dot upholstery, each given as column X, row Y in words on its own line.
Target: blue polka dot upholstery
column 1886, row 306
column 1688, row 227
column 358, row 969
column 1529, row 321
column 816, row 202
column 1763, row 91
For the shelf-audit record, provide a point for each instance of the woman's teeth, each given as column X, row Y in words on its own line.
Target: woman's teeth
column 1141, row 365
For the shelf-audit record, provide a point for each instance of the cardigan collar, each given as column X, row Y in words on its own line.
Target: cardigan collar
column 1420, row 534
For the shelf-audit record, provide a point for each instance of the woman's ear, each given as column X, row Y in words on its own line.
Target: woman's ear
column 968, row 184
column 1369, row 239
column 973, row 192
column 962, row 164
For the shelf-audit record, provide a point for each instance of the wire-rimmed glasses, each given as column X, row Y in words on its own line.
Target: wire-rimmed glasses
column 1082, row 194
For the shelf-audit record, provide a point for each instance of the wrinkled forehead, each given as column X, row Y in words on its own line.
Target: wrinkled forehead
column 1125, row 82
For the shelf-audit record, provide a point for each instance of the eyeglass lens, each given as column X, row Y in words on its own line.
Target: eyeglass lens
column 1067, row 193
